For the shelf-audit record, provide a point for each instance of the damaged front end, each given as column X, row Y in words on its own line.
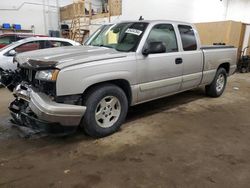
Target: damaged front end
column 10, row 79
column 35, row 105
column 22, row 115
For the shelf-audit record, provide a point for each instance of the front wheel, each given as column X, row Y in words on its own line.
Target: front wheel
column 107, row 107
column 217, row 87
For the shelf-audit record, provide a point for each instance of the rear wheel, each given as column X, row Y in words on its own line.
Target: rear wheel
column 107, row 107
column 217, row 87
column 1, row 85
column 243, row 70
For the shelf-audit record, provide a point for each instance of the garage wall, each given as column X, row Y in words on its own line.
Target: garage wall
column 238, row 10
column 44, row 18
column 30, row 12
column 184, row 10
column 63, row 3
column 247, row 40
column 228, row 32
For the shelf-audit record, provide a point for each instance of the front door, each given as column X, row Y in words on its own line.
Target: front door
column 160, row 74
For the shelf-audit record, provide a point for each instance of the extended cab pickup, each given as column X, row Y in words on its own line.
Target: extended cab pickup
column 121, row 65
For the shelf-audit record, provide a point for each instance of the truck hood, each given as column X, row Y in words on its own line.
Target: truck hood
column 66, row 56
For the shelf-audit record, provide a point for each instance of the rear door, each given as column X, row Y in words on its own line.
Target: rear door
column 192, row 57
column 160, row 74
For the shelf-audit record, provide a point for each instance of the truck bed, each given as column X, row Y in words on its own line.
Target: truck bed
column 213, row 57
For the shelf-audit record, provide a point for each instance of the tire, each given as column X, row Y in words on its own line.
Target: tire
column 217, row 87
column 243, row 70
column 1, row 85
column 107, row 107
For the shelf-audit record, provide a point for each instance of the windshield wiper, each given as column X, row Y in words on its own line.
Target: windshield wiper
column 101, row 45
column 120, row 50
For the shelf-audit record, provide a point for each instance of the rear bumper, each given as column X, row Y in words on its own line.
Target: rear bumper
column 233, row 69
column 38, row 111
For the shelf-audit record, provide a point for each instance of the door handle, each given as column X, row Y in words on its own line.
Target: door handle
column 178, row 61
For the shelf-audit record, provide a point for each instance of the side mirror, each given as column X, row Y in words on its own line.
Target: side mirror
column 12, row 53
column 154, row 48
column 116, row 30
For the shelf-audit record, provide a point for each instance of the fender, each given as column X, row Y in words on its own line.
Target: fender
column 77, row 84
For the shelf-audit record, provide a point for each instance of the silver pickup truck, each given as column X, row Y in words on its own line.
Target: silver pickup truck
column 121, row 65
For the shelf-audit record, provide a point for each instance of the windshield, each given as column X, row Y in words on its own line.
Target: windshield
column 122, row 37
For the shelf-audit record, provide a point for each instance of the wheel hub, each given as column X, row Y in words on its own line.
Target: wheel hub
column 108, row 111
column 220, row 83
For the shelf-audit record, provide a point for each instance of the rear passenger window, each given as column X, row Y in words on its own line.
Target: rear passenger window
column 53, row 43
column 188, row 38
column 29, row 46
column 164, row 33
column 59, row 43
column 66, row 44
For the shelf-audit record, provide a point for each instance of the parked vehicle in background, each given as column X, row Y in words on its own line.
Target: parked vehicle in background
column 29, row 44
column 130, row 63
column 243, row 65
column 8, row 38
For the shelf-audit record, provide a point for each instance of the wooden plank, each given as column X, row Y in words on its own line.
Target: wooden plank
column 103, row 15
column 248, row 49
column 242, row 35
column 236, row 35
column 77, row 9
column 235, row 32
column 73, row 10
column 115, row 7
column 228, row 32
column 213, row 32
column 2, row 30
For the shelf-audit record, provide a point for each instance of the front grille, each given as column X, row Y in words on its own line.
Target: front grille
column 48, row 88
column 28, row 75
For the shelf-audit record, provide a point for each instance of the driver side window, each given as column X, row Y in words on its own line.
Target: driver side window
column 164, row 33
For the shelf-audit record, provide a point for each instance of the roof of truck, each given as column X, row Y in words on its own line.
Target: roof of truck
column 156, row 21
column 147, row 21
column 169, row 21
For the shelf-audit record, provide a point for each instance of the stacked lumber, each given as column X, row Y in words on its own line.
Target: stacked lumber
column 228, row 32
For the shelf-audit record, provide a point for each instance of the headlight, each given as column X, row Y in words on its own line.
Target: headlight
column 47, row 75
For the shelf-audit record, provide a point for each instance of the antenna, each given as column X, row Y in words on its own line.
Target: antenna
column 141, row 18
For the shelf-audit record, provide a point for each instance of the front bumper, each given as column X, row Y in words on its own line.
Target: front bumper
column 39, row 126
column 48, row 110
column 38, row 111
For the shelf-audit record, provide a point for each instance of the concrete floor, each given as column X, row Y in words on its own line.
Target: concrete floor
column 187, row 140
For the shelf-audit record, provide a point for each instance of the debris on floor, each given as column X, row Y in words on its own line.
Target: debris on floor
column 236, row 88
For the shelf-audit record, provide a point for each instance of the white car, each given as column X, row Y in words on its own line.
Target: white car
column 29, row 44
